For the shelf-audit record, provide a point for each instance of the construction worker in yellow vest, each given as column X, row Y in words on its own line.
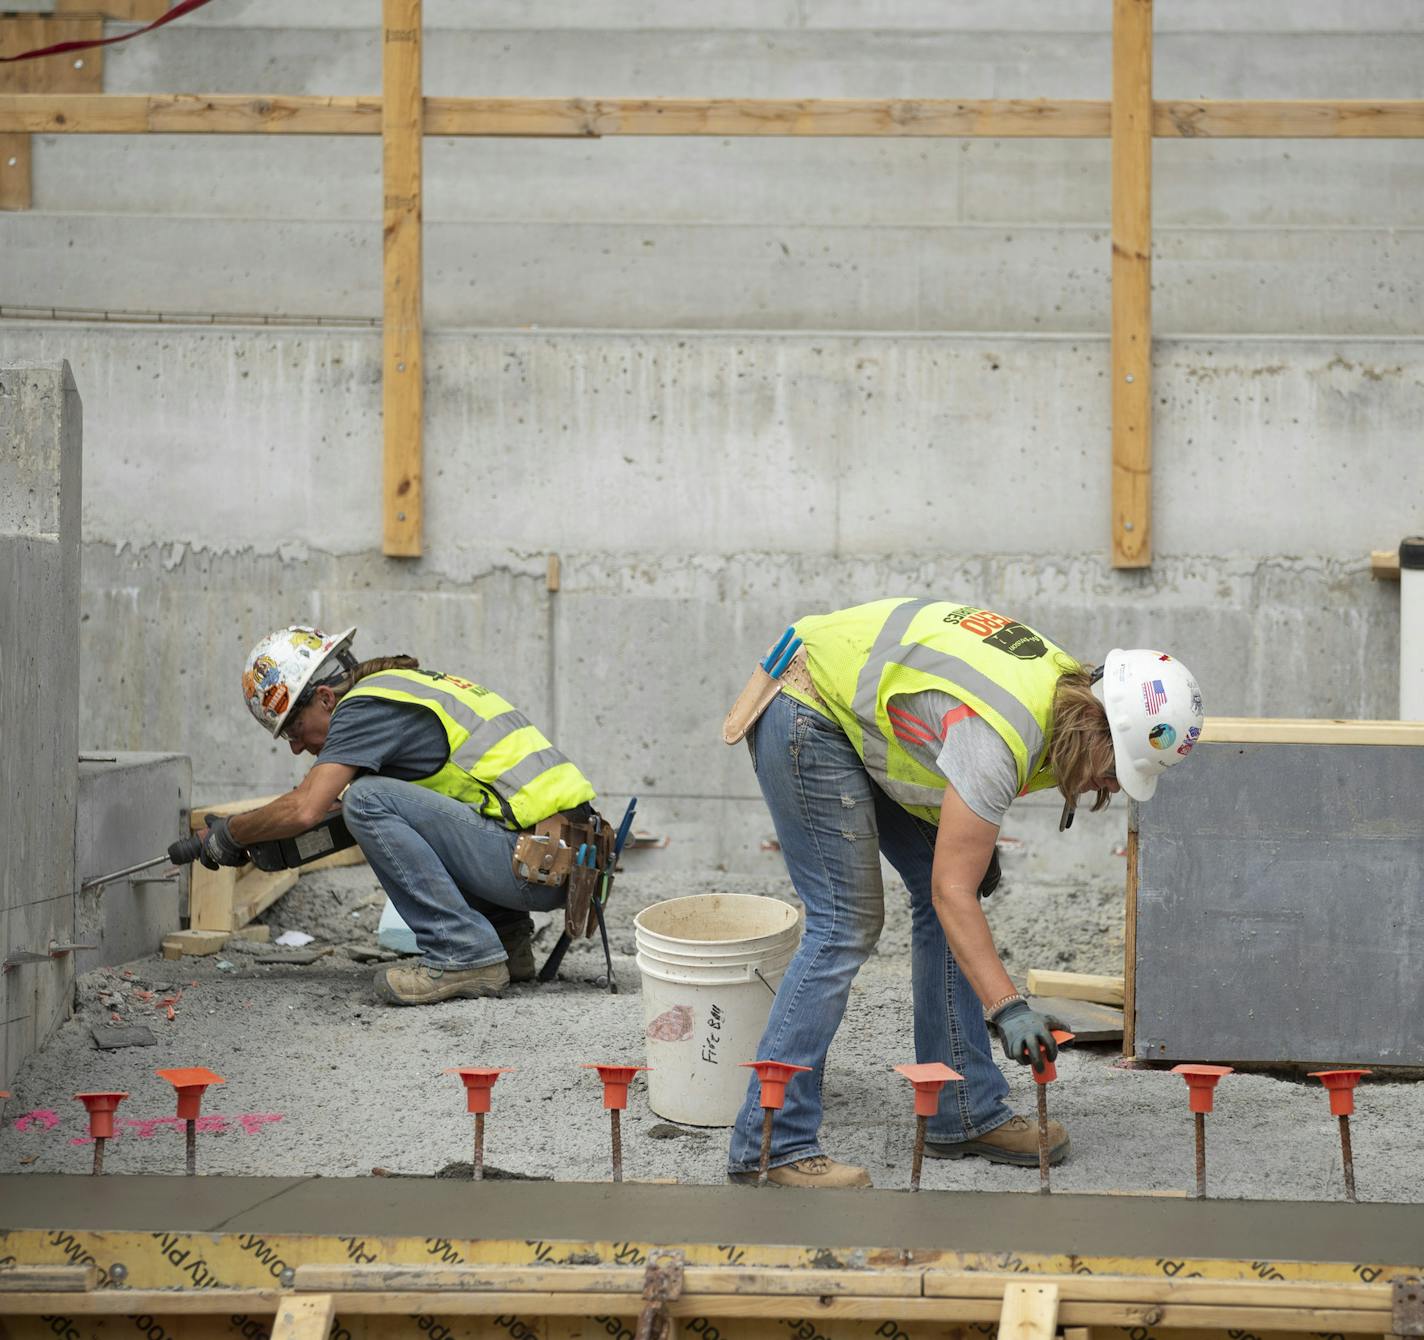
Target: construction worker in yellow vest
column 906, row 728
column 440, row 776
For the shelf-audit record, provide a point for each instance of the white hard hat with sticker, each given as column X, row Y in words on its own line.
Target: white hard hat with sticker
column 1154, row 710
column 280, row 667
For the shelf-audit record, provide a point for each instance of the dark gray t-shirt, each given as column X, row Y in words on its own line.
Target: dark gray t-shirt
column 397, row 740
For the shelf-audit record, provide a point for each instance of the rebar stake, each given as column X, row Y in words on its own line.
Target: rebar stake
column 190, row 1084
column 100, row 1107
column 772, row 1079
column 928, row 1080
column 616, row 1079
column 1341, row 1086
column 98, row 1154
column 478, row 1081
column 1042, row 1079
column 1201, row 1081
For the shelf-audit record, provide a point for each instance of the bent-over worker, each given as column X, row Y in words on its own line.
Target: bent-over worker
column 907, row 727
column 440, row 774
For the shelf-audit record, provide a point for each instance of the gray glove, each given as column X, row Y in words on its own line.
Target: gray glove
column 1026, row 1036
column 218, row 847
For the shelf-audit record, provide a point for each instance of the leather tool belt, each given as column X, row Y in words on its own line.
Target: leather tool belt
column 760, row 690
column 549, row 853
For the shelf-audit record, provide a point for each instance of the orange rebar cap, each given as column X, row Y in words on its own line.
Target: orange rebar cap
column 191, row 1085
column 774, row 1077
column 616, row 1079
column 1341, row 1084
column 1049, row 1073
column 478, row 1081
column 1201, row 1080
column 928, row 1080
column 100, row 1107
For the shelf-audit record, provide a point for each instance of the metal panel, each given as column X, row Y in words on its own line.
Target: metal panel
column 1277, row 906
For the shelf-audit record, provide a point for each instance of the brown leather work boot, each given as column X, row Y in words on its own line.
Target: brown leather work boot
column 1016, row 1141
column 520, row 948
column 419, row 984
column 816, row 1170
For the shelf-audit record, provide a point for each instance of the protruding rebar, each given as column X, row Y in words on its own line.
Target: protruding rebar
column 917, row 1162
column 98, row 1154
column 1201, row 1155
column 614, row 1116
column 1042, row 1091
column 190, row 1132
column 767, row 1115
column 1348, row 1157
column 477, row 1168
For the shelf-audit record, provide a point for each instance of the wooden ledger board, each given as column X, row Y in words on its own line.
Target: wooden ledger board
column 1276, row 914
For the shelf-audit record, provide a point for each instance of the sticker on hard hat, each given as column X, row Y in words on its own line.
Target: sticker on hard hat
column 1161, row 736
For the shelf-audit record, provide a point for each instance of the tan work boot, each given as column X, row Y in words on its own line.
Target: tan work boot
column 419, row 984
column 816, row 1170
column 1016, row 1141
column 520, row 948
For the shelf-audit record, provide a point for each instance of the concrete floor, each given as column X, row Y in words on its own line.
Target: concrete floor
column 322, row 1079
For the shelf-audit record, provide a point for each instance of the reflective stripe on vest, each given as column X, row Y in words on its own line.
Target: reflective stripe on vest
column 1023, row 725
column 499, row 760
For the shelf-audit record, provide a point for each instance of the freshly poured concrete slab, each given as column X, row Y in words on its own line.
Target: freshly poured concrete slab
column 1085, row 1226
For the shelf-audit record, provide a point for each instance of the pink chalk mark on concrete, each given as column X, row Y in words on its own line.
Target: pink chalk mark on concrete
column 45, row 1117
column 252, row 1122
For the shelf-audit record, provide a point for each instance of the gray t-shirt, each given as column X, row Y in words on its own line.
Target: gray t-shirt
column 397, row 740
column 946, row 736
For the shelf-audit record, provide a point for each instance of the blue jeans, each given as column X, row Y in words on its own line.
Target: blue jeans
column 833, row 823
column 447, row 868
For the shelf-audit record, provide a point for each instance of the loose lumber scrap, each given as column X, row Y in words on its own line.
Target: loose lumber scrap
column 306, row 1318
column 1309, row 730
column 194, row 942
column 1076, row 986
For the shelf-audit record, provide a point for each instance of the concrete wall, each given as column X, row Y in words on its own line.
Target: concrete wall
column 131, row 807
column 40, row 435
column 702, row 490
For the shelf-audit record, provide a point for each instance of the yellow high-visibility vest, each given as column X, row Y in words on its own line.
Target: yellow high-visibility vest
column 499, row 761
column 859, row 658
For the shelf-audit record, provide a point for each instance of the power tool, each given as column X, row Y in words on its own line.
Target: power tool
column 330, row 835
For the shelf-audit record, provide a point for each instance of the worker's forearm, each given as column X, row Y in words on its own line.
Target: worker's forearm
column 967, row 931
column 284, row 817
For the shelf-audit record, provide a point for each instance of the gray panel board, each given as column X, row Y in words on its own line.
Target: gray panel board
column 1278, row 907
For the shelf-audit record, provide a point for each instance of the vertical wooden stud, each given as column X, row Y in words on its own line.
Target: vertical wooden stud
column 1129, row 938
column 1030, row 1312
column 303, row 1317
column 1132, row 284
column 402, row 381
column 71, row 72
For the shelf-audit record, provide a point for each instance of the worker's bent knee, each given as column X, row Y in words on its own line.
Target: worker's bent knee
column 365, row 799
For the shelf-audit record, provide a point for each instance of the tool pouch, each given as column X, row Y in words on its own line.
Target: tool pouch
column 579, row 919
column 545, row 854
column 751, row 702
column 548, row 854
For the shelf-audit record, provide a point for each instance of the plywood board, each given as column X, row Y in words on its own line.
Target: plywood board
column 1277, row 907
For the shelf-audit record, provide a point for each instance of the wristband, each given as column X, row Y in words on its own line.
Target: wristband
column 992, row 1009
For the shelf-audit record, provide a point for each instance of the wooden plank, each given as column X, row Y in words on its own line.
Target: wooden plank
column 402, row 376
column 307, row 1318
column 1309, row 730
column 1129, row 938
column 1131, row 358
column 314, row 114
column 227, row 808
column 212, row 894
column 1244, row 1293
column 1030, row 1311
column 1076, row 986
column 1309, row 118
column 136, row 11
column 1384, row 565
column 1087, row 1020
column 16, row 188
column 53, row 1279
column 257, row 891
column 197, row 943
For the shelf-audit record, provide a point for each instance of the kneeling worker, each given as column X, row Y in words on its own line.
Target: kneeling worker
column 440, row 777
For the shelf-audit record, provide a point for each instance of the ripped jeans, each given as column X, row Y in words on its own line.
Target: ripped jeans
column 833, row 823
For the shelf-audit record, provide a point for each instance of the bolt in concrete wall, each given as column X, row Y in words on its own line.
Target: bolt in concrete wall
column 40, row 433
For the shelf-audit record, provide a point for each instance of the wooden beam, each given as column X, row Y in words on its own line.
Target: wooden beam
column 1384, row 565
column 1030, row 1311
column 1129, row 941
column 16, row 191
column 1302, row 730
column 307, row 1318
column 556, row 118
column 1132, row 284
column 53, row 1279
column 402, row 381
column 1075, row 986
column 133, row 11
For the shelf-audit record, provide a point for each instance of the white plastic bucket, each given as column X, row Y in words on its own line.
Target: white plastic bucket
column 710, row 965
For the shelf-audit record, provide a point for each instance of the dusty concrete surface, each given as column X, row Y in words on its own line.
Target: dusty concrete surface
column 324, row 1080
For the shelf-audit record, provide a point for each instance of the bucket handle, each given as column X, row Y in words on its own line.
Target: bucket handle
column 764, row 982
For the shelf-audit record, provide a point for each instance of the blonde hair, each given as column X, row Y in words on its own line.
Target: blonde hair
column 1080, row 749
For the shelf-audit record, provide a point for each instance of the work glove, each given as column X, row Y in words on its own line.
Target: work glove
column 992, row 876
column 218, row 847
column 1026, row 1035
